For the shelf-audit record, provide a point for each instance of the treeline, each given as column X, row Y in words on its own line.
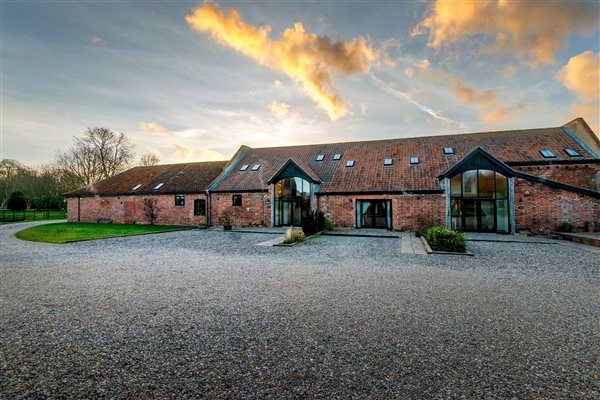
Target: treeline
column 97, row 155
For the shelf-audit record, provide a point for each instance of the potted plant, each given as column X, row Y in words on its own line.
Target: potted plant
column 590, row 226
column 225, row 220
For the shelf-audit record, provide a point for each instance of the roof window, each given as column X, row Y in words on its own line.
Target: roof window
column 320, row 157
column 547, row 153
column 572, row 152
column 350, row 163
column 448, row 150
column 388, row 161
column 414, row 160
column 244, row 167
column 159, row 186
column 256, row 167
column 136, row 187
column 337, row 156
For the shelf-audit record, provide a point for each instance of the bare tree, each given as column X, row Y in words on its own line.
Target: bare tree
column 99, row 154
column 149, row 160
column 151, row 209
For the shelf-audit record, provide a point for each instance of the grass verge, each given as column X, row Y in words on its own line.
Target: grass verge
column 73, row 231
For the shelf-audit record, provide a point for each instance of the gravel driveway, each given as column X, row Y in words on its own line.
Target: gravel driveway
column 209, row 314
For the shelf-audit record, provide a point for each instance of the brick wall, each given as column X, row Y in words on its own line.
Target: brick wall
column 407, row 210
column 582, row 175
column 130, row 209
column 255, row 209
column 541, row 207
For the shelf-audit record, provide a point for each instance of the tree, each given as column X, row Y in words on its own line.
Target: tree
column 99, row 154
column 17, row 201
column 149, row 160
column 151, row 209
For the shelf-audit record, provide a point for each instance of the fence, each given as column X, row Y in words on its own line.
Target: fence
column 31, row 215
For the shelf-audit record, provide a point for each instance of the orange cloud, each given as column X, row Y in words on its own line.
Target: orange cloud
column 185, row 151
column 469, row 95
column 279, row 109
column 532, row 29
column 153, row 127
column 581, row 76
column 308, row 59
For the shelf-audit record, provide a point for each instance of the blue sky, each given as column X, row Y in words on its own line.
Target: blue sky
column 195, row 89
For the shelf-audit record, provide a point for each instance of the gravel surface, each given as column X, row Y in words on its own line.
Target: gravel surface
column 210, row 314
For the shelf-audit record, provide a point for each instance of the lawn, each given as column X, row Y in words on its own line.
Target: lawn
column 71, row 231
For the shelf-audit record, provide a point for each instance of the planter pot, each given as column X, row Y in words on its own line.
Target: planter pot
column 227, row 227
column 590, row 229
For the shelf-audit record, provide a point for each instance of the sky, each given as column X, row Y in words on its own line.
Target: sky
column 192, row 81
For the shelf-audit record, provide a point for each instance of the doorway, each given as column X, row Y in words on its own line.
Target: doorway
column 374, row 214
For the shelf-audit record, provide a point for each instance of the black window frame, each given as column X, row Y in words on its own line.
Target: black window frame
column 197, row 207
column 448, row 150
column 386, row 163
column 414, row 160
column 350, row 163
column 179, row 198
column 236, row 198
column 256, row 167
column 320, row 157
column 337, row 157
column 547, row 153
column 244, row 167
column 571, row 152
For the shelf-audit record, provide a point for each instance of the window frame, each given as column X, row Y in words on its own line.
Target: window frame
column 137, row 187
column 179, row 197
column 350, row 163
column 160, row 185
column 547, row 153
column 337, row 156
column 197, row 209
column 448, row 151
column 571, row 152
column 244, row 167
column 414, row 160
column 386, row 163
column 320, row 157
column 234, row 198
column 256, row 167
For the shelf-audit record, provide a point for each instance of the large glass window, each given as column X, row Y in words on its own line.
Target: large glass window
column 469, row 183
column 292, row 200
column 486, row 184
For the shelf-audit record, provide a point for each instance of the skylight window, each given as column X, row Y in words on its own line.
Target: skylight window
column 448, row 150
column 244, row 167
column 388, row 161
column 159, row 186
column 136, row 187
column 414, row 160
column 350, row 163
column 320, row 157
column 256, row 167
column 572, row 152
column 337, row 156
column 547, row 153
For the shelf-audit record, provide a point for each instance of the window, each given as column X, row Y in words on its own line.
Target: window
column 337, row 156
column 244, row 167
column 236, row 200
column 388, row 161
column 350, row 163
column 448, row 150
column 572, row 152
column 136, row 187
column 179, row 200
column 414, row 160
column 159, row 186
column 320, row 157
column 256, row 167
column 200, row 207
column 547, row 154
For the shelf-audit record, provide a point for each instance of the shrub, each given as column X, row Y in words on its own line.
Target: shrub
column 225, row 218
column 313, row 222
column 328, row 225
column 444, row 239
column 293, row 236
column 17, row 202
column 565, row 226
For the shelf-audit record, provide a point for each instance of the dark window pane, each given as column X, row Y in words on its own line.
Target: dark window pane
column 486, row 184
column 502, row 215
column 469, row 181
column 501, row 186
column 236, row 200
column 456, row 185
column 180, row 200
column 200, row 207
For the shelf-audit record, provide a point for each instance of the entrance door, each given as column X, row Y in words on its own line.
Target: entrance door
column 374, row 213
column 479, row 215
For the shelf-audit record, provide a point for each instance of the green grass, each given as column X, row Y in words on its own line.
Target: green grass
column 69, row 231
column 30, row 215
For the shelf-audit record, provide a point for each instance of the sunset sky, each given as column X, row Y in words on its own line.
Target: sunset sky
column 192, row 81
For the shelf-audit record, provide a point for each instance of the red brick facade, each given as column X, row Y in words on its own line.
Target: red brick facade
column 409, row 211
column 541, row 207
column 254, row 211
column 583, row 175
column 130, row 209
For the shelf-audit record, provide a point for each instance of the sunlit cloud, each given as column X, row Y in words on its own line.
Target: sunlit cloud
column 154, row 127
column 279, row 109
column 96, row 40
column 183, row 151
column 363, row 109
column 469, row 95
column 209, row 155
column 307, row 58
column 534, row 30
column 581, row 75
column 389, row 52
column 277, row 83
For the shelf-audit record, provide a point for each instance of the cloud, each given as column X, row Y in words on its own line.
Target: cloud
column 279, row 109
column 184, row 151
column 96, row 40
column 308, row 59
column 154, row 127
column 469, row 95
column 389, row 52
column 581, row 75
column 534, row 30
column 277, row 83
column 363, row 109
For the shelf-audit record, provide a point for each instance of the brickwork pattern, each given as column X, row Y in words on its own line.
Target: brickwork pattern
column 582, row 175
column 254, row 211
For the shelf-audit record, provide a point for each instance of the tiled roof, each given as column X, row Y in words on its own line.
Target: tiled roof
column 177, row 178
column 370, row 174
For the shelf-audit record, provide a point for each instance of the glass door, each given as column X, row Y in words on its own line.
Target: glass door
column 469, row 209
column 487, row 215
